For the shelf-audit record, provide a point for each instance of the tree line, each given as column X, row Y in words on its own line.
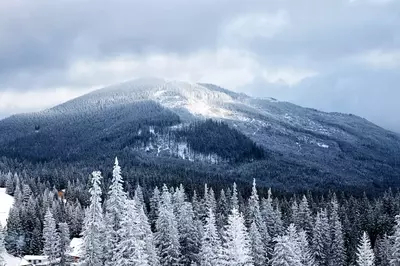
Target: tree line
column 169, row 225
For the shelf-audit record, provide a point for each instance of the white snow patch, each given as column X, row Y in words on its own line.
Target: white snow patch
column 151, row 129
column 76, row 247
column 323, row 145
column 14, row 261
column 6, row 202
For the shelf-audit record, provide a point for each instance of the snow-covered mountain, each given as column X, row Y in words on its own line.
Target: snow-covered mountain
column 155, row 118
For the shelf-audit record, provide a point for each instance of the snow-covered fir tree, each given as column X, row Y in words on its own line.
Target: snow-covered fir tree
column 154, row 206
column 236, row 247
column 259, row 236
column 271, row 216
column 321, row 239
column 284, row 254
column 64, row 242
column 2, row 247
column 93, row 227
column 382, row 251
column 51, row 238
column 167, row 235
column 210, row 253
column 234, row 202
column 115, row 212
column 304, row 220
column 306, row 255
column 189, row 236
column 365, row 254
column 147, row 235
column 337, row 250
column 131, row 247
column 395, row 250
column 258, row 252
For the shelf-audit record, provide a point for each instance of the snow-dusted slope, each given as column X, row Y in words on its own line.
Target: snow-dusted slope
column 111, row 119
column 262, row 119
column 6, row 202
column 194, row 98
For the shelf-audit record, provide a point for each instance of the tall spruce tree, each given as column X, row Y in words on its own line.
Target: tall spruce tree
column 337, row 250
column 131, row 248
column 306, row 256
column 115, row 212
column 64, row 242
column 167, row 235
column 236, row 247
column 257, row 229
column 93, row 227
column 51, row 239
column 147, row 235
column 2, row 247
column 210, row 253
column 365, row 254
column 283, row 254
column 321, row 239
column 382, row 251
column 395, row 250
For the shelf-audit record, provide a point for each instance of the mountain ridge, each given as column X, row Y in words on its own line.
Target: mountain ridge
column 148, row 117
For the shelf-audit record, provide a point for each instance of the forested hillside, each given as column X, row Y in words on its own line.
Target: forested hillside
column 131, row 223
column 172, row 130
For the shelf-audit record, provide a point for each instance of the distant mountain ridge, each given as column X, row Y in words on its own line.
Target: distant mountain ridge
column 277, row 142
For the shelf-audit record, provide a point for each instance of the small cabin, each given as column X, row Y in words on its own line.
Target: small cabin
column 36, row 260
column 75, row 250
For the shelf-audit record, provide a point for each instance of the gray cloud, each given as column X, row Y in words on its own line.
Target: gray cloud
column 351, row 46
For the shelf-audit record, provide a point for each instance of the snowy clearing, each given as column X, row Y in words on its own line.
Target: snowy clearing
column 6, row 202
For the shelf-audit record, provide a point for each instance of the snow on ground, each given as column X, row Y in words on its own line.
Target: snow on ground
column 14, row 261
column 6, row 202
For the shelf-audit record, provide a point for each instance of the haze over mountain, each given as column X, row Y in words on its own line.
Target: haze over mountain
column 166, row 123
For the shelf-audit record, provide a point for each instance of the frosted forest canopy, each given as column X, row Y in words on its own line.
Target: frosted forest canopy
column 172, row 225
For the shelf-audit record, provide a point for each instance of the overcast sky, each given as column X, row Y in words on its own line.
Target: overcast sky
column 334, row 55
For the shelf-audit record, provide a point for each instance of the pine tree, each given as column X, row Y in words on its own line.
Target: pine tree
column 382, row 251
column 167, row 235
column 365, row 254
column 395, row 250
column 131, row 248
column 2, row 247
column 295, row 213
column 93, row 228
column 306, row 256
column 147, row 235
column 189, row 237
column 10, row 184
column 223, row 211
column 139, row 198
column 236, row 248
column 271, row 216
column 14, row 231
column 283, row 254
column 115, row 211
column 337, row 256
column 64, row 242
column 51, row 238
column 234, row 198
column 257, row 246
column 210, row 254
column 257, row 229
column 304, row 217
column 321, row 239
column 154, row 206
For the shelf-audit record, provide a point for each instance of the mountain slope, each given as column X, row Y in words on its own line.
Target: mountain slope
column 155, row 120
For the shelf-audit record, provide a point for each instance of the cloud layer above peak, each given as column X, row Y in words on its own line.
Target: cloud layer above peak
column 336, row 55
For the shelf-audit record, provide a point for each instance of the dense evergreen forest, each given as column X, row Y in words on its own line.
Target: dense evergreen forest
column 139, row 223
